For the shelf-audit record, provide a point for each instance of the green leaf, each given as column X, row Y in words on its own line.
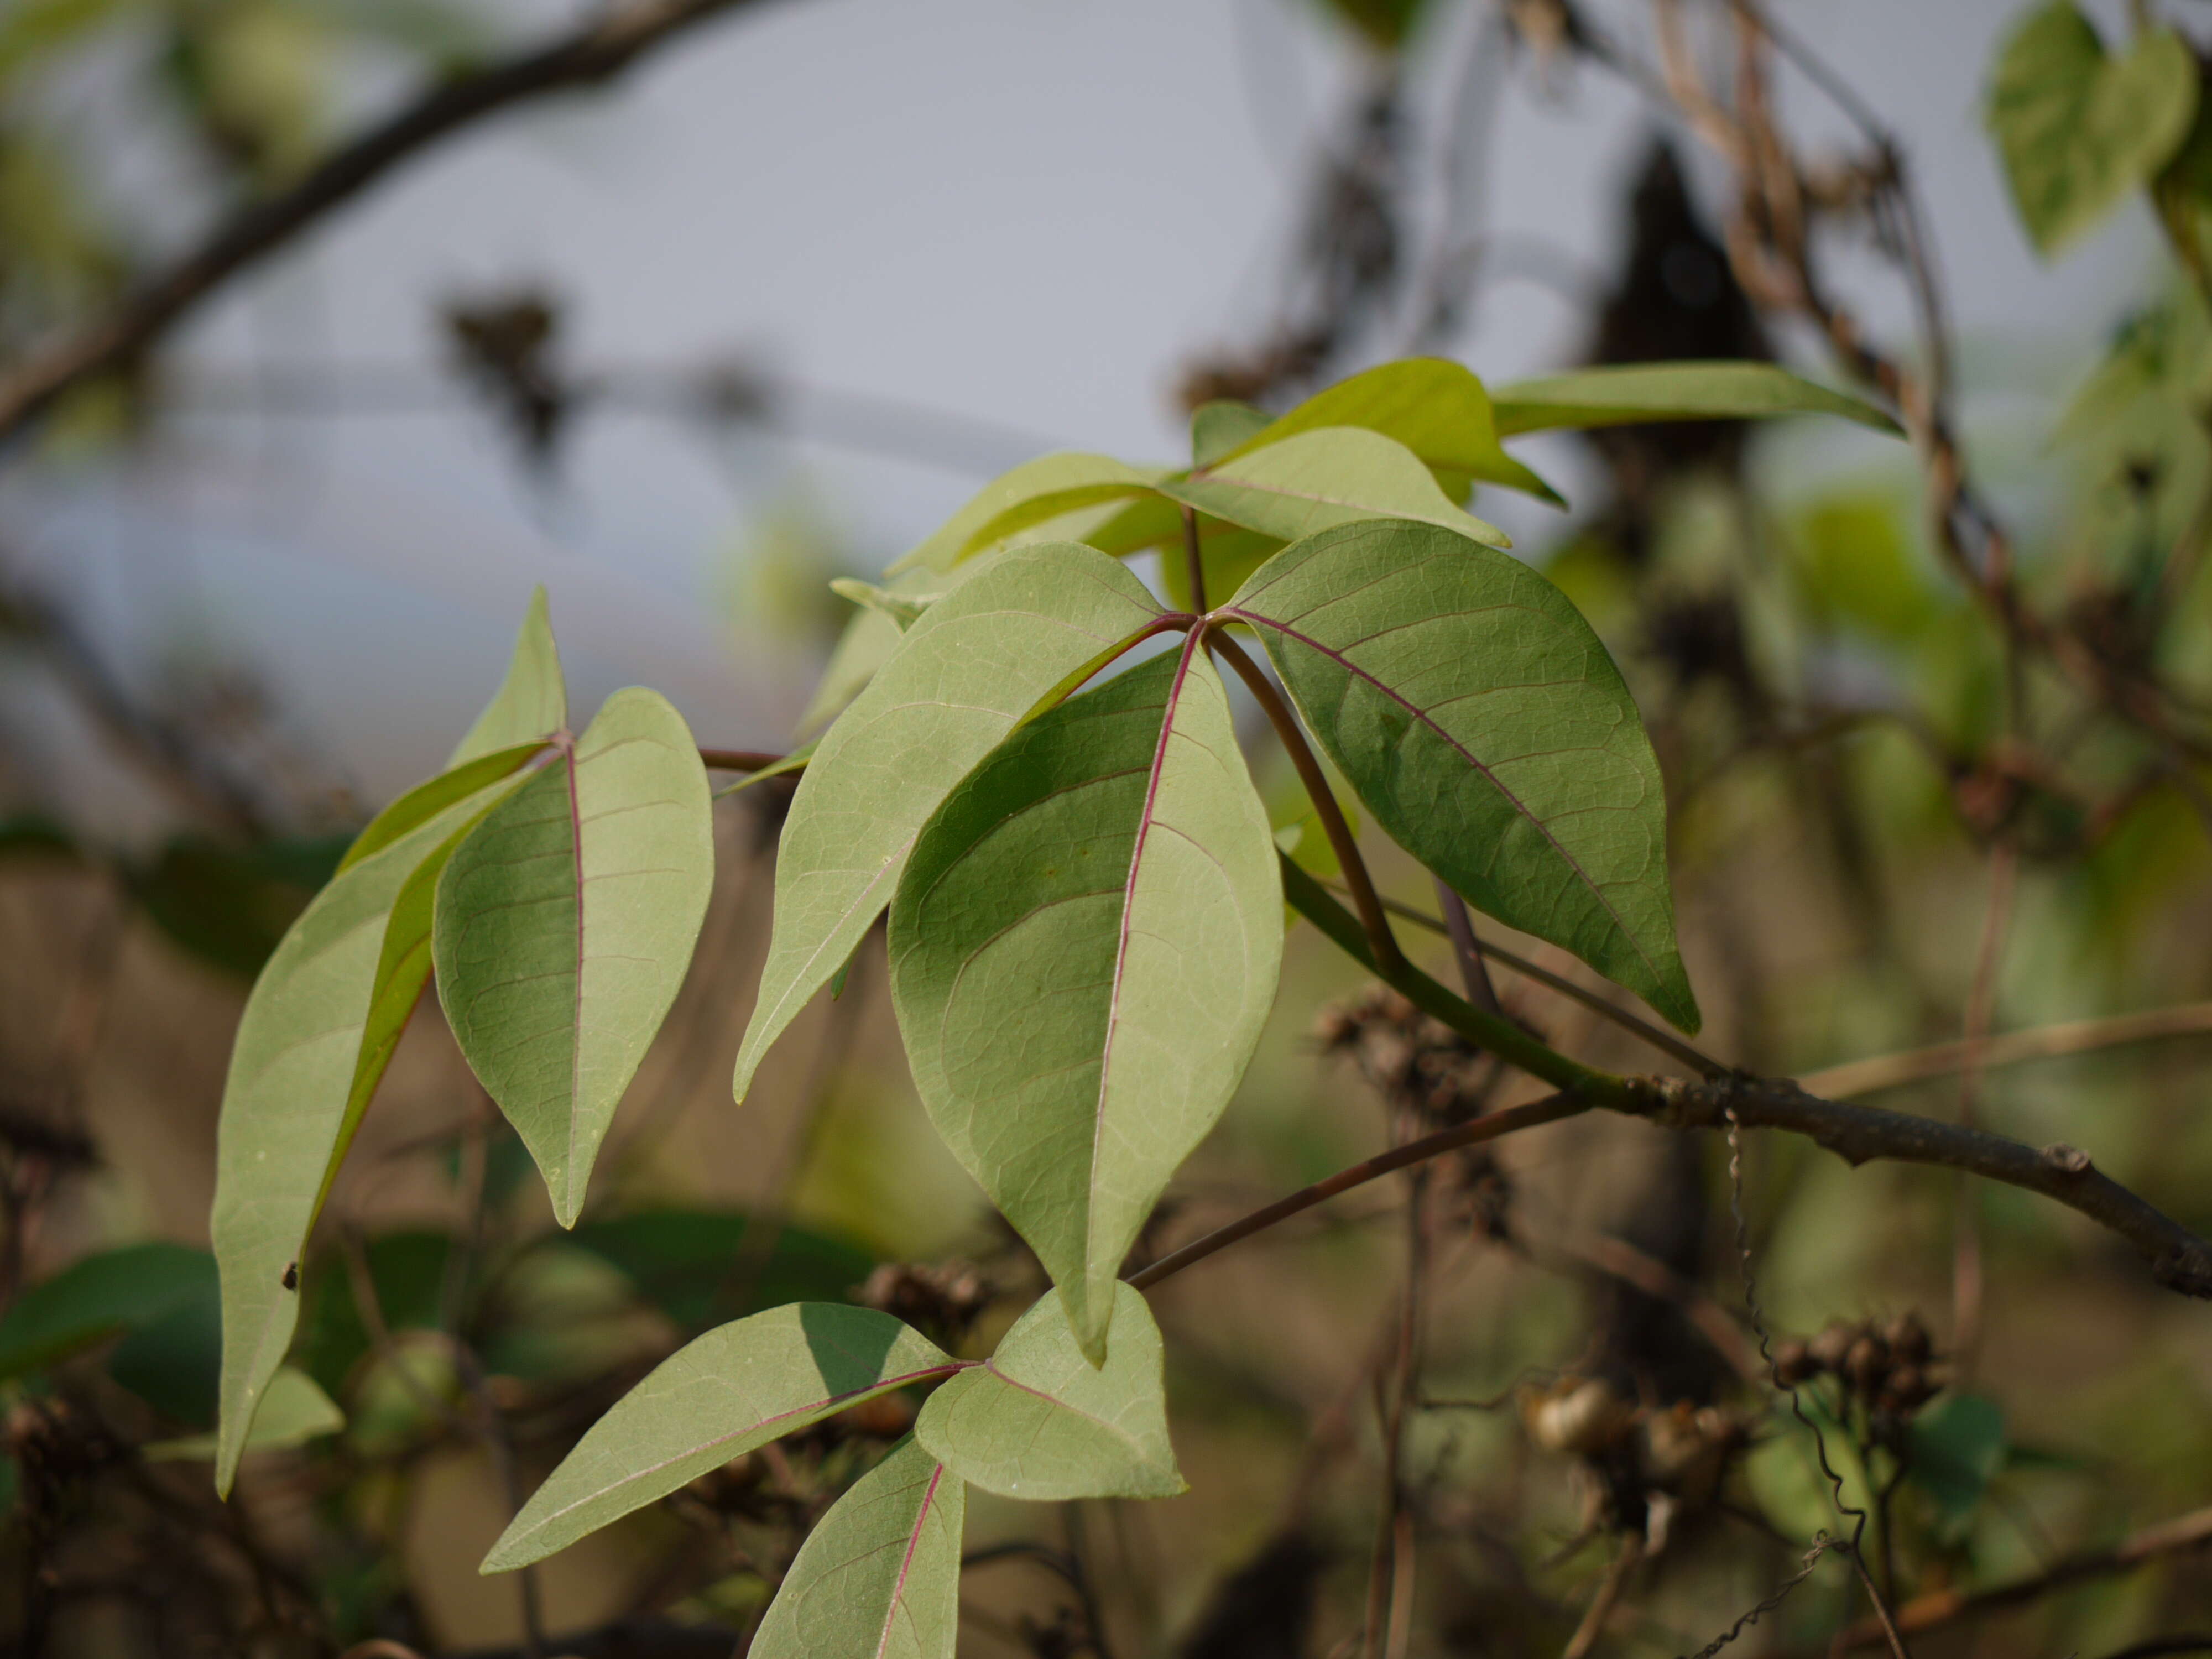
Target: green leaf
column 1436, row 408
column 797, row 760
column 715, row 1399
column 1488, row 731
column 95, row 1297
column 1229, row 554
column 532, row 703
column 1956, row 1448
column 2183, row 194
column 1219, row 429
column 294, row 1410
column 317, row 1033
column 1018, row 635
column 565, row 922
column 900, row 608
column 1083, row 950
column 228, row 905
column 428, row 800
column 2078, row 129
column 1032, row 494
column 1632, row 393
column 688, row 1262
column 1312, row 480
column 879, row 1576
column 1038, row 1421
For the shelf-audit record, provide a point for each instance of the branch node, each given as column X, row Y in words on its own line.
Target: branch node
column 2067, row 1160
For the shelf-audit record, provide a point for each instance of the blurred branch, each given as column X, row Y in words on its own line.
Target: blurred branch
column 2192, row 1531
column 2081, row 1036
column 615, row 38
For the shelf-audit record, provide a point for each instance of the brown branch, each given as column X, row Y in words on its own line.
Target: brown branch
column 2192, row 1531
column 1858, row 1134
column 593, row 54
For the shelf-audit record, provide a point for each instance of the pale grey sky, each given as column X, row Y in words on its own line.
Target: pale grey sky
column 1026, row 212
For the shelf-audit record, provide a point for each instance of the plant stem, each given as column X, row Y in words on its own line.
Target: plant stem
column 1459, row 927
column 1193, row 563
column 1660, row 1038
column 1382, row 946
column 737, row 760
column 1472, row 1132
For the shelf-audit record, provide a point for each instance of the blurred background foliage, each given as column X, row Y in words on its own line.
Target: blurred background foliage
column 1894, row 825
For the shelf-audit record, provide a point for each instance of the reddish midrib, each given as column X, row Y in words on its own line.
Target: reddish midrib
column 576, row 1031
column 906, row 1562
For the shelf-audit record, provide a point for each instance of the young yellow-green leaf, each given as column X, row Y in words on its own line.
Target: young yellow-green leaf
column 1031, row 493
column 1630, row 393
column 1083, row 950
column 1333, row 475
column 1038, row 1421
column 739, row 1386
column 1436, row 408
column 902, row 608
column 426, row 800
column 532, row 703
column 879, row 1576
column 317, row 1033
column 565, row 922
column 294, row 1410
column 1218, row 429
column 1032, row 624
column 1486, row 729
column 2079, row 128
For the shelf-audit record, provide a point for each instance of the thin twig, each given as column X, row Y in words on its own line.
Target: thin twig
column 1459, row 927
column 1381, row 944
column 1585, row 1638
column 609, row 43
column 2081, row 1036
column 1664, row 1040
column 1981, row 998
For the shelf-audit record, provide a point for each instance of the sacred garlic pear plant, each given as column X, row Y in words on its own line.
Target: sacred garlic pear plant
column 1037, row 771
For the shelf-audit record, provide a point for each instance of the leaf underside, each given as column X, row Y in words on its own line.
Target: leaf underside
column 1038, row 1421
column 317, row 1033
column 879, row 1576
column 739, row 1386
column 1014, row 636
column 1486, row 729
column 1083, row 951
column 564, row 924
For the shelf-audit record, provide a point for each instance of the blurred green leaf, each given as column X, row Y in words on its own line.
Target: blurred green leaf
column 407, row 1271
column 175, row 1364
column 688, row 1262
column 1856, row 569
column 99, row 1297
column 564, row 925
column 2077, row 129
column 293, row 1412
column 1039, row 1421
column 1957, row 1446
column 229, row 906
column 1019, row 634
column 31, row 834
column 715, row 1399
column 1219, row 428
column 1636, row 393
column 1385, row 23
column 1031, row 493
column 1083, row 951
column 1486, row 729
column 902, row 608
column 880, row 1573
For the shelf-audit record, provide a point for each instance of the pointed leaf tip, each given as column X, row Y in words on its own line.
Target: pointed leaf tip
column 532, row 703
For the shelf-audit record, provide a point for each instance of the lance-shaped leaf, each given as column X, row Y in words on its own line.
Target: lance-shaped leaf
column 1436, row 408
column 1219, row 429
column 1039, row 1421
column 564, row 924
column 879, row 1576
column 1486, row 729
column 1083, row 950
column 1633, row 393
column 1032, row 494
column 716, row 1398
column 532, row 703
column 312, row 1046
column 1019, row 634
column 1312, row 480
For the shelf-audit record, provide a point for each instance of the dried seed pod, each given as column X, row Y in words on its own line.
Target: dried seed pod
column 1908, row 1340
column 1867, row 1363
column 1829, row 1348
column 1793, row 1364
